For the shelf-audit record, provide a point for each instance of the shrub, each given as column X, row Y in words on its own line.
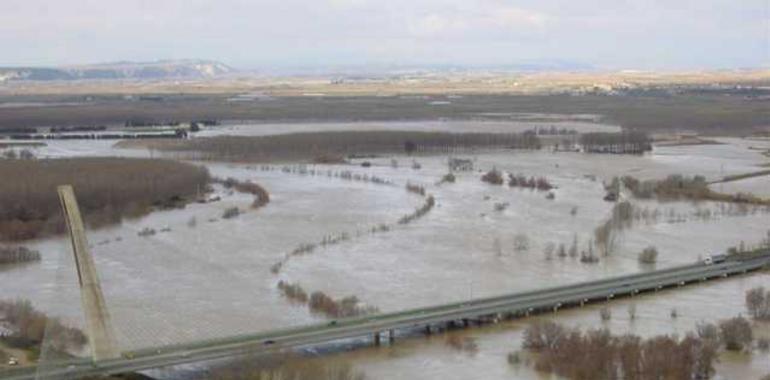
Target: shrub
column 758, row 303
column 549, row 249
column 448, row 178
column 231, row 212
column 514, row 358
column 146, row 231
column 736, row 333
column 605, row 314
column 11, row 255
column 708, row 332
column 494, row 177
column 261, row 196
column 521, row 242
column 562, row 252
column 420, row 212
column 632, row 312
column 416, row 189
column 467, row 344
column 350, row 306
column 648, row 255
column 293, row 292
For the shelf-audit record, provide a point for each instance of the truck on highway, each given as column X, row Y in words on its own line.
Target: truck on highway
column 714, row 259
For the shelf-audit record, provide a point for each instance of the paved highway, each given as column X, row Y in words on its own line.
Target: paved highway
column 492, row 308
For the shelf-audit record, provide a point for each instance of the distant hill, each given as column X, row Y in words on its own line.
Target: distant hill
column 119, row 70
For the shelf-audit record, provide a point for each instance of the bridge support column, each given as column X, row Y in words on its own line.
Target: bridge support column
column 427, row 330
column 98, row 323
column 377, row 338
column 391, row 336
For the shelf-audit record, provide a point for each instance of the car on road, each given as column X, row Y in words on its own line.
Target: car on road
column 12, row 361
column 714, row 259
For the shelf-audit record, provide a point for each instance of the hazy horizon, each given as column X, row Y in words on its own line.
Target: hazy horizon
column 352, row 34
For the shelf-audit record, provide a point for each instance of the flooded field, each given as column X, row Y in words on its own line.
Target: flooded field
column 214, row 277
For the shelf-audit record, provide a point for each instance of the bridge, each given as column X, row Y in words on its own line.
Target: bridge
column 515, row 305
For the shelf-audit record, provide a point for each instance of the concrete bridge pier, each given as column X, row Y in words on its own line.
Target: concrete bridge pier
column 98, row 323
column 391, row 336
column 377, row 338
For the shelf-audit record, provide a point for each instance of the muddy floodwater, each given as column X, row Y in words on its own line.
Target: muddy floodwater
column 212, row 277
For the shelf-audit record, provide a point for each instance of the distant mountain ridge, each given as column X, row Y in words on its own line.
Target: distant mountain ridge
column 119, row 70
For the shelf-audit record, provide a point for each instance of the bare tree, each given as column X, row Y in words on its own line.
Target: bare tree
column 521, row 242
column 736, row 333
column 549, row 250
column 758, row 303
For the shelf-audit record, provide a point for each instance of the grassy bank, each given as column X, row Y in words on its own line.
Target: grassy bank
column 108, row 190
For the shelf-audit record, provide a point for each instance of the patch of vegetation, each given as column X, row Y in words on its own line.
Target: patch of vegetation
column 736, row 333
column 261, row 196
column 739, row 177
column 540, row 183
column 29, row 326
column 308, row 145
column 108, row 190
column 283, row 367
column 293, row 292
column 231, row 212
column 448, row 178
column 626, row 142
column 648, row 255
column 464, row 344
column 758, row 303
column 419, row 212
column 319, row 302
column 597, row 354
column 13, row 255
column 678, row 187
column 494, row 177
column 349, row 306
column 416, row 189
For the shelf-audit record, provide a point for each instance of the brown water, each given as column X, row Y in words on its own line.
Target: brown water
column 214, row 280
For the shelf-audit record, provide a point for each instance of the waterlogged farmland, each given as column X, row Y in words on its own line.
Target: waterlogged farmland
column 394, row 232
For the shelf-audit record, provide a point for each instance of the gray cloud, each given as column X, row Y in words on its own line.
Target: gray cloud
column 259, row 33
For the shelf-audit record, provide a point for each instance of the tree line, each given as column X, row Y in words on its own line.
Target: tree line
column 626, row 142
column 108, row 190
column 309, row 145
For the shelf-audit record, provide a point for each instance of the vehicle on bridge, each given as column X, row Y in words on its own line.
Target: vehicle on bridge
column 715, row 259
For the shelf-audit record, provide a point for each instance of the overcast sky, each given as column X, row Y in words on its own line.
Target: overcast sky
column 613, row 34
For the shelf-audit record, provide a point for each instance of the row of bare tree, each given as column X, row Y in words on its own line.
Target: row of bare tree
column 108, row 189
column 309, row 145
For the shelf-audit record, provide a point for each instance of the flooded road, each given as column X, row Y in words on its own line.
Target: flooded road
column 213, row 279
